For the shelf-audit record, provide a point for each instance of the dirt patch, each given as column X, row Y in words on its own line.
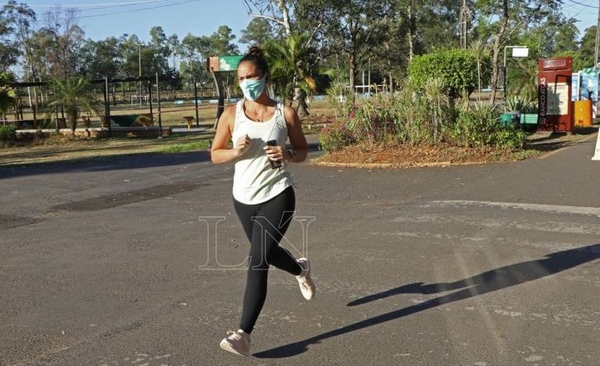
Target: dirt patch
column 403, row 156
column 414, row 156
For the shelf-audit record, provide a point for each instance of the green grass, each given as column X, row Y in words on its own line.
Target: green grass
column 185, row 147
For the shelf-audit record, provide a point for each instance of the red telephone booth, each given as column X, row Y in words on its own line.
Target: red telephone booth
column 555, row 109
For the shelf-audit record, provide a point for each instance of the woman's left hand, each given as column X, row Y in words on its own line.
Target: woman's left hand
column 275, row 153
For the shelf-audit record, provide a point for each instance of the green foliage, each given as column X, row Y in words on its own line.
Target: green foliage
column 409, row 118
column 413, row 115
column 74, row 95
column 374, row 122
column 337, row 93
column 190, row 146
column 479, row 125
column 8, row 96
column 7, row 132
column 291, row 65
column 456, row 68
column 522, row 104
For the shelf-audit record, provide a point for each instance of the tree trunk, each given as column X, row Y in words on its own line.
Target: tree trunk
column 114, row 95
column 73, row 122
column 411, row 49
column 302, row 106
column 496, row 49
column 352, row 70
column 286, row 18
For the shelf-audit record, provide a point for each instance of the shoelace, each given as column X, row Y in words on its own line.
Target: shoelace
column 304, row 282
column 234, row 335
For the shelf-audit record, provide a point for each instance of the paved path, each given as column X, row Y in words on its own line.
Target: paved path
column 139, row 261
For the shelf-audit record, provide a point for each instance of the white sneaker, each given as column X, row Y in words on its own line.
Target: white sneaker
column 307, row 286
column 237, row 342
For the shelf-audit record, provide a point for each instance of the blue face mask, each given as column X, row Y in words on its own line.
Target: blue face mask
column 252, row 89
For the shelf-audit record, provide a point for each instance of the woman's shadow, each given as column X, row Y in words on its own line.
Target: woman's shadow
column 493, row 280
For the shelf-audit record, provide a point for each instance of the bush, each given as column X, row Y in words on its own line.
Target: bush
column 411, row 117
column 336, row 136
column 479, row 125
column 7, row 132
column 455, row 67
column 521, row 104
column 374, row 121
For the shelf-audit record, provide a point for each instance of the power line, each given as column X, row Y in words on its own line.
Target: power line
column 93, row 5
column 137, row 10
column 585, row 5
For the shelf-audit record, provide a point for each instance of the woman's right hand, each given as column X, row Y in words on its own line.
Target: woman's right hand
column 242, row 144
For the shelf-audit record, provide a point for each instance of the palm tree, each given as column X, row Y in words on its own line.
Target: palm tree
column 481, row 51
column 291, row 65
column 74, row 95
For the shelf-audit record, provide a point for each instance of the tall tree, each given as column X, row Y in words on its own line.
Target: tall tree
column 157, row 53
column 63, row 39
column 275, row 11
column 100, row 58
column 220, row 43
column 566, row 36
column 193, row 61
column 588, row 44
column 16, row 31
column 258, row 32
column 350, row 28
column 500, row 20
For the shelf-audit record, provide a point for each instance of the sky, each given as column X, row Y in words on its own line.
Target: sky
column 101, row 19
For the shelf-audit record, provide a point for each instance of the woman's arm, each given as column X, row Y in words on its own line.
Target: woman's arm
column 299, row 149
column 220, row 152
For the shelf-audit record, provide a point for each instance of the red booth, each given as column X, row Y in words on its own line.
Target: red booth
column 555, row 109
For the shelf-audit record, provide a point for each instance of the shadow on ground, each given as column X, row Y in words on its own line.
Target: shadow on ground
column 493, row 280
column 557, row 140
column 112, row 162
column 104, row 163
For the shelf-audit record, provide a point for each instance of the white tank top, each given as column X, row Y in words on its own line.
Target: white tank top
column 254, row 181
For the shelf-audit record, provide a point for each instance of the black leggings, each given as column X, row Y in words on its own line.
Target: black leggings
column 265, row 224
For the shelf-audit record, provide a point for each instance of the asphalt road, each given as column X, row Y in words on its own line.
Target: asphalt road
column 140, row 261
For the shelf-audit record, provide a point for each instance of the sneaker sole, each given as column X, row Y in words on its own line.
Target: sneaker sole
column 227, row 347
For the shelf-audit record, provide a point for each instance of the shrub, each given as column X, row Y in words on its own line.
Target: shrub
column 414, row 116
column 479, row 125
column 374, row 121
column 7, row 132
column 521, row 104
column 455, row 67
column 336, row 136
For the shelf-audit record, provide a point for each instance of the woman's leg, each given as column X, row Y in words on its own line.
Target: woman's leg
column 265, row 225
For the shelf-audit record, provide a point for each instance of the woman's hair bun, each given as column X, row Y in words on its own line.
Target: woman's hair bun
column 255, row 51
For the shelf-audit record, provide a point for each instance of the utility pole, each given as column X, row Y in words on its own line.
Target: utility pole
column 597, row 51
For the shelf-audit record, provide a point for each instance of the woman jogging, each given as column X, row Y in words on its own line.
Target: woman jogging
column 263, row 195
